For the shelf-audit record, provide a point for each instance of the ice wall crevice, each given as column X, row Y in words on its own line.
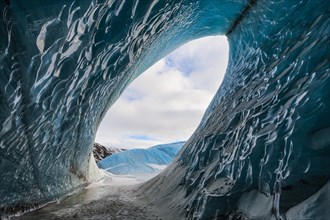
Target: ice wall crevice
column 265, row 134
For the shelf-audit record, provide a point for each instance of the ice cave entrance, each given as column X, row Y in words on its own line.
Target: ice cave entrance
column 164, row 105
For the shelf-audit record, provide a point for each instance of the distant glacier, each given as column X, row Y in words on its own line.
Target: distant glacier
column 141, row 161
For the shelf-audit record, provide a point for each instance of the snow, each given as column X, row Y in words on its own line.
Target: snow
column 156, row 166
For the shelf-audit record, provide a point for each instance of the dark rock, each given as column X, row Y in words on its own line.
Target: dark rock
column 100, row 152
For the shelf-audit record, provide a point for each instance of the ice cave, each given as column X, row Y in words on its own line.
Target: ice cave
column 262, row 150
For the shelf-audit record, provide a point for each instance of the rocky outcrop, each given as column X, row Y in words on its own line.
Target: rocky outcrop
column 100, row 152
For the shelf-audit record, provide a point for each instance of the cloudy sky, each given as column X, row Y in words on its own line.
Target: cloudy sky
column 166, row 103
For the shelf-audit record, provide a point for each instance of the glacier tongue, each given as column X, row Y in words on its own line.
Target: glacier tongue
column 264, row 138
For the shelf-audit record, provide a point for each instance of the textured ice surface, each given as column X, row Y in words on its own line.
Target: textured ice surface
column 64, row 62
column 139, row 161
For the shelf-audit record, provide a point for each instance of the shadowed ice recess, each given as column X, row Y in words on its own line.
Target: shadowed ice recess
column 262, row 150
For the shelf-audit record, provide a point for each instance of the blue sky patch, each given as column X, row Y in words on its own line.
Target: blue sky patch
column 141, row 137
column 186, row 66
column 169, row 62
column 132, row 94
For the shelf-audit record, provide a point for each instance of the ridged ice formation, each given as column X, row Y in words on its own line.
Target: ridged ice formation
column 263, row 147
column 141, row 161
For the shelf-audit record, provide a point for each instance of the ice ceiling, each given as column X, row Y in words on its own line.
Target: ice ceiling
column 262, row 150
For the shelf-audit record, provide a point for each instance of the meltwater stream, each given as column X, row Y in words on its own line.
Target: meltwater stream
column 262, row 150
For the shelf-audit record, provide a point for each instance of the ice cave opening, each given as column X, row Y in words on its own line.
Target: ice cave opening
column 261, row 150
column 173, row 92
column 160, row 109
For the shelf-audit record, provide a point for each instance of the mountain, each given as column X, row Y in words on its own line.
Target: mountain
column 140, row 161
column 100, row 152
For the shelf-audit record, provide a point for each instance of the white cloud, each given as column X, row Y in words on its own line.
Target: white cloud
column 166, row 103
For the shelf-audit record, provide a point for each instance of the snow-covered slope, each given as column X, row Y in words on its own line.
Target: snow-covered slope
column 139, row 161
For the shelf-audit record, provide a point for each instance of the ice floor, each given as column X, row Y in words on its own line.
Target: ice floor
column 113, row 197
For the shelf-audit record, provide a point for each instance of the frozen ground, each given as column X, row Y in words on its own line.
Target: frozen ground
column 113, row 197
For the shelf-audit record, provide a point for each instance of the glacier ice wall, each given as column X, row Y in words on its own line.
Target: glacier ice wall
column 262, row 149
column 263, row 140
